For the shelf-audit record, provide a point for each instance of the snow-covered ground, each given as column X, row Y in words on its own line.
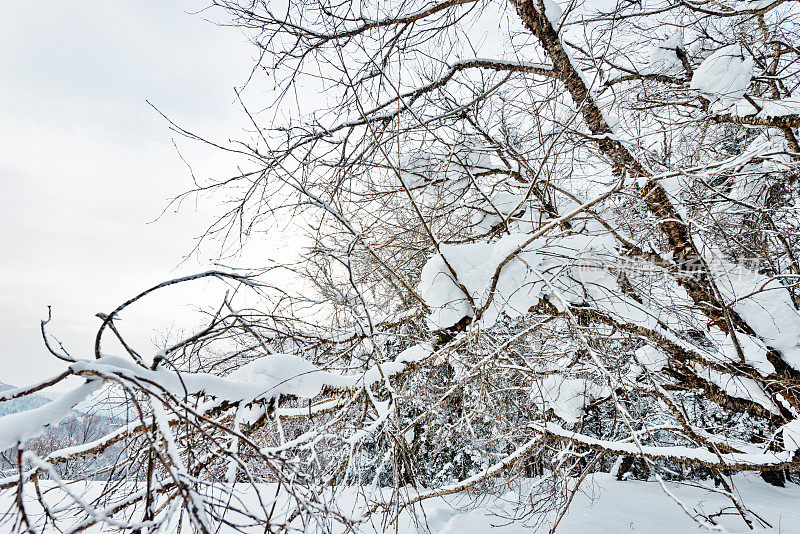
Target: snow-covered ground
column 603, row 506
column 606, row 506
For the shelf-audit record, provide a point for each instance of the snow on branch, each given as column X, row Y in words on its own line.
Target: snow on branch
column 678, row 453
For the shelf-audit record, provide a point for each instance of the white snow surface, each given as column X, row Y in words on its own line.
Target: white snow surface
column 603, row 505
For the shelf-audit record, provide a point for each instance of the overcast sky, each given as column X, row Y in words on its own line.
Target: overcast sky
column 86, row 164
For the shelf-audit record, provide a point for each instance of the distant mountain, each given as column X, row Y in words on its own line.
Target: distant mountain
column 107, row 412
column 83, row 424
column 29, row 402
column 21, row 404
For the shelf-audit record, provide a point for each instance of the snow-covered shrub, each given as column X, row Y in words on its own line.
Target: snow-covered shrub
column 542, row 240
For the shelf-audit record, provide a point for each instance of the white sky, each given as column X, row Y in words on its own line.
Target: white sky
column 85, row 164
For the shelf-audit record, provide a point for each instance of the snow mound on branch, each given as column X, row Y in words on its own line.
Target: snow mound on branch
column 664, row 58
column 251, row 385
column 287, row 374
column 764, row 303
column 376, row 373
column 773, row 152
column 791, row 435
column 767, row 108
column 259, row 380
column 724, row 75
column 737, row 386
column 552, row 11
column 647, row 358
column 440, row 289
column 498, row 281
column 502, row 206
column 568, row 396
column 753, row 350
column 415, row 353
